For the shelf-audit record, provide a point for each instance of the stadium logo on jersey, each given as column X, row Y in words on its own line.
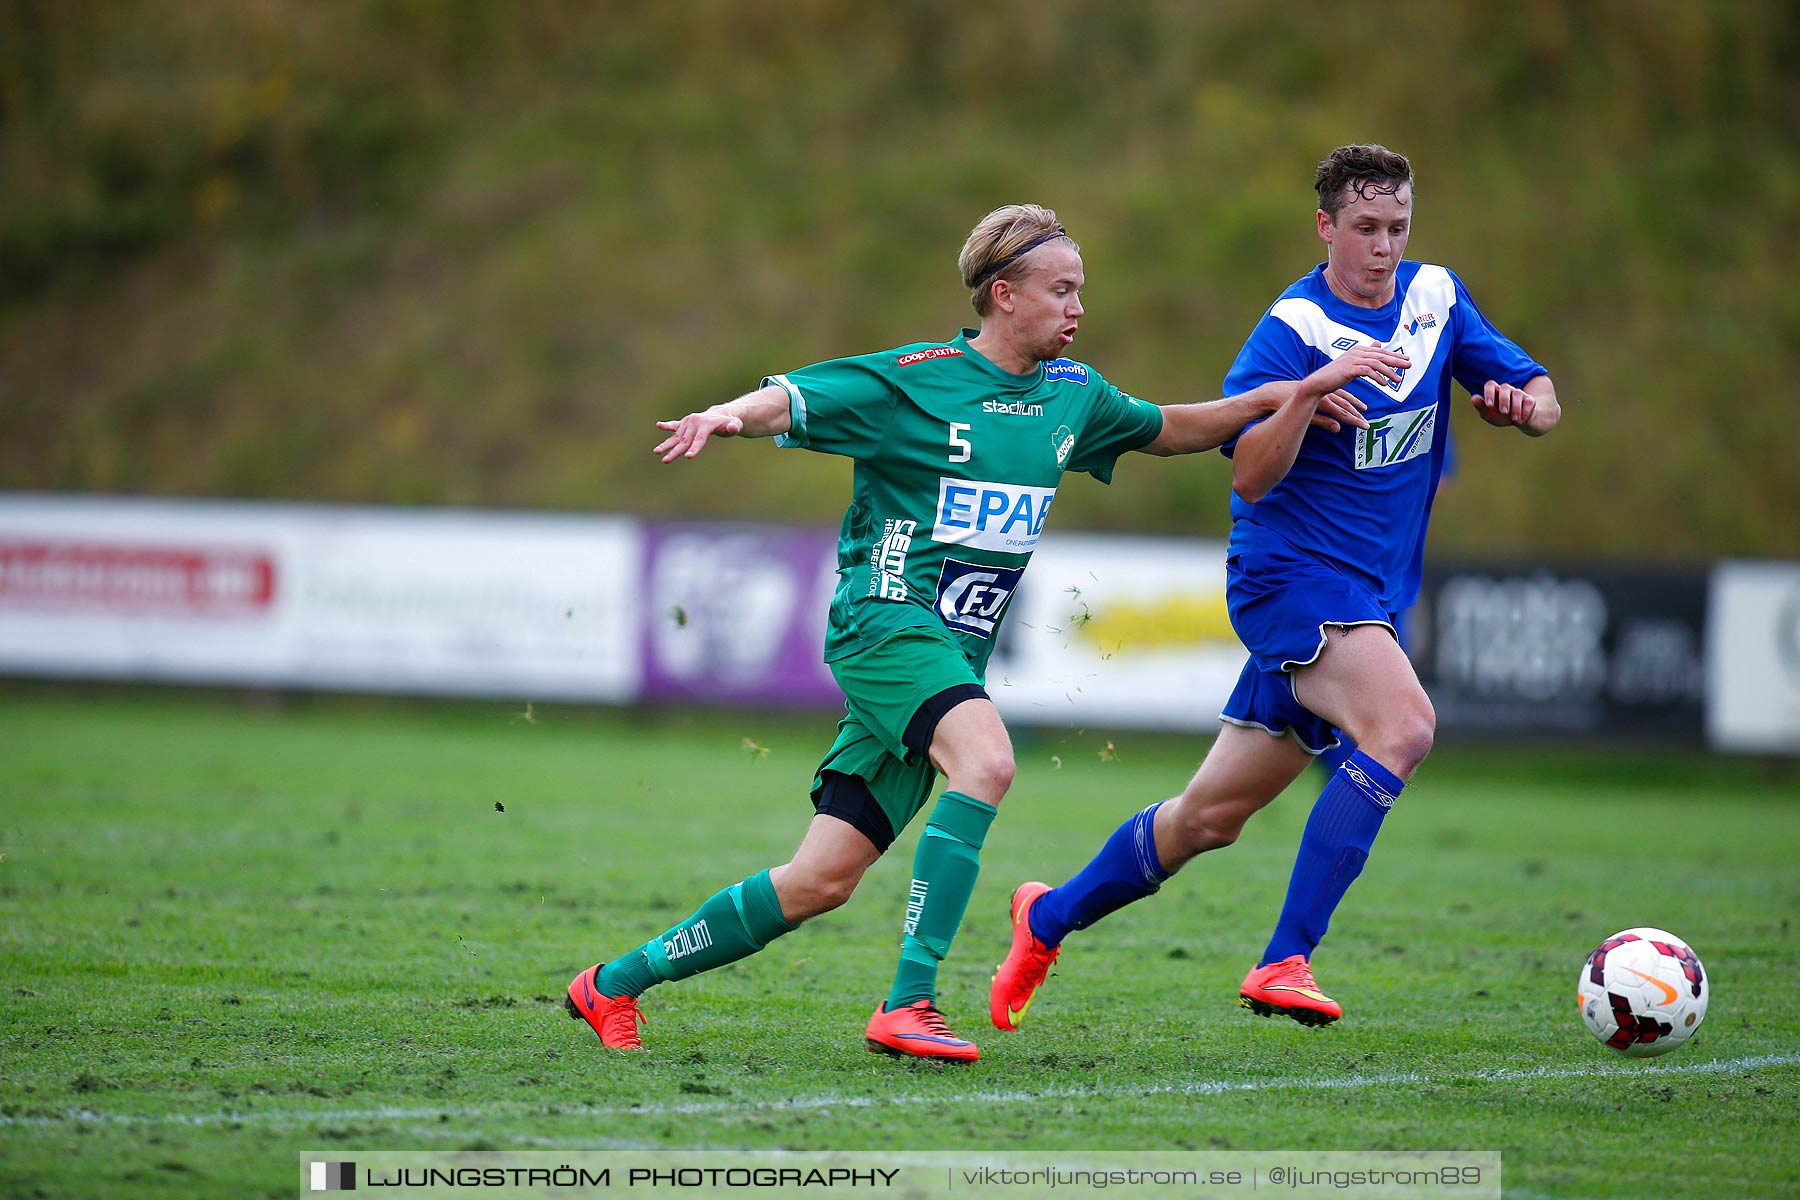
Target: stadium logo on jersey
column 970, row 597
column 1395, row 439
column 1066, row 371
column 919, row 356
column 1063, row 442
column 991, row 516
column 1016, row 408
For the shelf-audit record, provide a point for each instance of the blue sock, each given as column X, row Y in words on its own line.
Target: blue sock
column 1126, row 869
column 1344, row 821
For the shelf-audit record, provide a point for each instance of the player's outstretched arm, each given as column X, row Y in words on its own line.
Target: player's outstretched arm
column 1265, row 454
column 761, row 413
column 1190, row 428
column 1531, row 409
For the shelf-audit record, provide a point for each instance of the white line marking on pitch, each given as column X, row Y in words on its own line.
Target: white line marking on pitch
column 1197, row 1087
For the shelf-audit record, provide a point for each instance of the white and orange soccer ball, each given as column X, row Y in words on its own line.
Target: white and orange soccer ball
column 1643, row 992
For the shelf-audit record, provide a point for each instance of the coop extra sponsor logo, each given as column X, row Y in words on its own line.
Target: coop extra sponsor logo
column 991, row 516
column 919, row 356
column 166, row 580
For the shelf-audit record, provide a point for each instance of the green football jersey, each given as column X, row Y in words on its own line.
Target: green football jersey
column 957, row 462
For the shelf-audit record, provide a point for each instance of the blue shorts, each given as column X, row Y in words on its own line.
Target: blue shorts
column 1281, row 602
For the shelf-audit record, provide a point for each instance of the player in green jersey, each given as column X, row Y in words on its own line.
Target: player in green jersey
column 958, row 449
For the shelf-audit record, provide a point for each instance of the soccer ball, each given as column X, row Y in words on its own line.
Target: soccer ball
column 1642, row 992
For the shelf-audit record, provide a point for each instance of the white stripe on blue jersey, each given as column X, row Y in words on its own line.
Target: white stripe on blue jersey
column 1361, row 498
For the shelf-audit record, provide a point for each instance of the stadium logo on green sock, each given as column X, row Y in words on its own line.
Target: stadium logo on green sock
column 687, row 940
column 915, row 906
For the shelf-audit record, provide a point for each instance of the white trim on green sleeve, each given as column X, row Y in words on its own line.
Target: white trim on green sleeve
column 796, row 434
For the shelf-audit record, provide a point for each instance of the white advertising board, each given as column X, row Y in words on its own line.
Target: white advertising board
column 1118, row 631
column 1753, row 661
column 365, row 599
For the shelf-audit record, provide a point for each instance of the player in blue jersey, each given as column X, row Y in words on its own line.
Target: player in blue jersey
column 1326, row 539
column 958, row 449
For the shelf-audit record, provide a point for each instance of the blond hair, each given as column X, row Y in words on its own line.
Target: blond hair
column 997, row 247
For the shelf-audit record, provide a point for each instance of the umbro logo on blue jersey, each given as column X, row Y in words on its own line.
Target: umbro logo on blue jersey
column 1345, row 344
column 1066, row 371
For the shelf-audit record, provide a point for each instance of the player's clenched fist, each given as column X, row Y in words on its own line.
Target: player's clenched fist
column 1503, row 404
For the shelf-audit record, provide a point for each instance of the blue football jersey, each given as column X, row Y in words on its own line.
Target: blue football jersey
column 1360, row 498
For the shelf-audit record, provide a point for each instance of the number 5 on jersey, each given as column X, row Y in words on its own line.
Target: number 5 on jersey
column 960, row 449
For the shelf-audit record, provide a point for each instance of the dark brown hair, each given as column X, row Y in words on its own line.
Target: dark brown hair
column 1360, row 170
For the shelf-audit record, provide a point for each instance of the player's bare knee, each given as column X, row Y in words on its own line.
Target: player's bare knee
column 815, row 895
column 1197, row 826
column 832, row 892
column 985, row 777
column 1000, row 772
column 1405, row 739
column 806, row 893
column 1216, row 830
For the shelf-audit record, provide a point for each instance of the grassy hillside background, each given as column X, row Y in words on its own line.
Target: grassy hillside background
column 464, row 254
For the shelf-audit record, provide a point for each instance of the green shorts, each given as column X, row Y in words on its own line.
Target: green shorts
column 878, row 773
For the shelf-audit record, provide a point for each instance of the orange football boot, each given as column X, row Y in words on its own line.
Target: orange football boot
column 1288, row 989
column 614, row 1018
column 1017, row 979
column 917, row 1029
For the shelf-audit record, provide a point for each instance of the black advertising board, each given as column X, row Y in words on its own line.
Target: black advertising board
column 1508, row 649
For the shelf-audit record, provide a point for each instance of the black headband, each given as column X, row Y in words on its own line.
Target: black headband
column 1016, row 255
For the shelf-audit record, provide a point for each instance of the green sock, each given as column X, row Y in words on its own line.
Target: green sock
column 732, row 924
column 944, row 871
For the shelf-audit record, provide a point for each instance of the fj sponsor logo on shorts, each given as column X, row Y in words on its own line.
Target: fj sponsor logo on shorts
column 887, row 562
column 971, row 597
column 915, row 906
column 687, row 940
column 1395, row 439
column 991, row 516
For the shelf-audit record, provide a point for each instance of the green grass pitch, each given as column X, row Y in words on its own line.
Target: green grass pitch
column 230, row 932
